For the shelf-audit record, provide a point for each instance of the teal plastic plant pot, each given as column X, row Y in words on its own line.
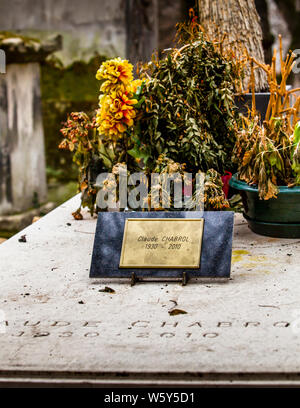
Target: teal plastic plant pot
column 278, row 217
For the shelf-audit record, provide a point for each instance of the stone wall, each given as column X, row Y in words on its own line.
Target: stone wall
column 87, row 27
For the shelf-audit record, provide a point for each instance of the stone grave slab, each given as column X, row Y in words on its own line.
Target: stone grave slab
column 61, row 326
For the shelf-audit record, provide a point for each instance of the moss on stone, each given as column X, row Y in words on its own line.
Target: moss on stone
column 76, row 83
column 21, row 49
column 4, row 35
column 64, row 90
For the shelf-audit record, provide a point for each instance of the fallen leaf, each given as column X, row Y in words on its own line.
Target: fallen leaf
column 107, row 290
column 176, row 312
column 77, row 215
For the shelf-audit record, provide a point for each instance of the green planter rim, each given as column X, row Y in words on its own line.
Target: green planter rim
column 241, row 185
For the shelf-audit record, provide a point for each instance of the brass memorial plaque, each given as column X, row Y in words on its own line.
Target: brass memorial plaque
column 162, row 243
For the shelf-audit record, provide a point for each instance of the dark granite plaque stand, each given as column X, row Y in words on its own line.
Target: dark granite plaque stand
column 215, row 255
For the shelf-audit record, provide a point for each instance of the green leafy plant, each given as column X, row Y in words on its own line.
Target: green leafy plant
column 189, row 114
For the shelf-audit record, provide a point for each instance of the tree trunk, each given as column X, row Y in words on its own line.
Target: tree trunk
column 240, row 21
column 142, row 29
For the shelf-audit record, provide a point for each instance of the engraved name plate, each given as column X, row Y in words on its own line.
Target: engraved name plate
column 162, row 243
column 214, row 250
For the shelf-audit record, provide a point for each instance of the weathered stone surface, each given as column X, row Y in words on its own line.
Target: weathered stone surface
column 86, row 28
column 22, row 49
column 19, row 221
column 61, row 328
column 22, row 157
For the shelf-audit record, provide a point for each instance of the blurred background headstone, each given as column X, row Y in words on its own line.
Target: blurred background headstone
column 22, row 154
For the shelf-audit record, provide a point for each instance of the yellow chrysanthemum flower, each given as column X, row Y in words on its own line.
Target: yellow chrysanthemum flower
column 116, row 113
column 109, row 87
column 115, row 71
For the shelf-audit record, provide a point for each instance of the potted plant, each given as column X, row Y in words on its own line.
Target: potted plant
column 179, row 114
column 268, row 157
